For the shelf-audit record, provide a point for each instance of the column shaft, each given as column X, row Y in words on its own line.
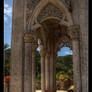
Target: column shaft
column 52, row 70
column 33, row 72
column 47, row 71
column 76, row 66
column 43, row 73
column 28, row 68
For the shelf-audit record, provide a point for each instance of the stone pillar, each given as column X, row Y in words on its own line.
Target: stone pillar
column 47, row 71
column 76, row 59
column 42, row 53
column 80, row 16
column 52, row 70
column 34, row 68
column 17, row 47
column 28, row 66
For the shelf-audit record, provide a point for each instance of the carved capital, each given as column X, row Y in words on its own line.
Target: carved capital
column 29, row 38
column 34, row 46
column 42, row 50
column 73, row 32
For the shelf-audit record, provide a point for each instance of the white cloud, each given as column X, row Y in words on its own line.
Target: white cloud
column 68, row 52
column 64, row 51
column 5, row 18
column 7, row 12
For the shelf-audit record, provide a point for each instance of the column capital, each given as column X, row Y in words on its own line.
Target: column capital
column 34, row 46
column 29, row 38
column 73, row 32
column 42, row 50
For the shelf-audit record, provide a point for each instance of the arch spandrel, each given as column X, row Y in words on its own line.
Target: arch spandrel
column 49, row 11
column 29, row 8
column 42, row 4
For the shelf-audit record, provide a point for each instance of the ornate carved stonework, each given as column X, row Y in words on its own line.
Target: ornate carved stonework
column 67, row 4
column 73, row 31
column 65, row 43
column 50, row 11
column 30, row 6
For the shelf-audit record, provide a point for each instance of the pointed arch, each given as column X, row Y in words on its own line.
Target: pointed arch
column 42, row 4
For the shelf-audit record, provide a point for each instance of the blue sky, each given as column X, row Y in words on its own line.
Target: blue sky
column 7, row 21
column 8, row 27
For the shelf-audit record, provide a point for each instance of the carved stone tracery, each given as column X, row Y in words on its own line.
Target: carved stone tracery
column 67, row 4
column 50, row 11
column 65, row 43
column 30, row 6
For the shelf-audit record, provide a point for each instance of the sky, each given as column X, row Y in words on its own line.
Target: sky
column 8, row 28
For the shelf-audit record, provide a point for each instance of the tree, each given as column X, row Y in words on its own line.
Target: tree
column 64, row 65
column 7, row 53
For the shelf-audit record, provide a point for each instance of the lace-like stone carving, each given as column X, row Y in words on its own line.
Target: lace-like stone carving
column 50, row 11
column 65, row 43
column 30, row 6
column 67, row 4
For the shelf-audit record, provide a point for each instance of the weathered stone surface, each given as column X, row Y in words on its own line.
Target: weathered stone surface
column 51, row 31
column 16, row 72
column 48, row 11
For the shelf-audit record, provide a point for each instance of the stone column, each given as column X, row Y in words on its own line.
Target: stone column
column 42, row 53
column 47, row 71
column 33, row 68
column 76, row 59
column 52, row 69
column 28, row 66
column 55, row 71
column 17, row 46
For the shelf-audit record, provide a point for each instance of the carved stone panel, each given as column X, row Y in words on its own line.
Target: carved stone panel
column 67, row 4
column 30, row 6
column 50, row 11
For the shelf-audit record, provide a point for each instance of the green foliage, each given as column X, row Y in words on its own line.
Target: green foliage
column 64, row 65
column 7, row 53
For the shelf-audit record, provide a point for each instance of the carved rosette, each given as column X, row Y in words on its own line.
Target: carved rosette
column 50, row 11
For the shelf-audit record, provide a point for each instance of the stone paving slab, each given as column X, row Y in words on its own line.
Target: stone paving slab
column 57, row 91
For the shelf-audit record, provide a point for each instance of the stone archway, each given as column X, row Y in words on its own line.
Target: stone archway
column 48, row 21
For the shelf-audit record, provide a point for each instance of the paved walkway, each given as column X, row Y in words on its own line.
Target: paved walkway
column 57, row 91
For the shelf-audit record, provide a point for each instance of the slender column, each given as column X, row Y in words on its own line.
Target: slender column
column 47, row 71
column 52, row 70
column 33, row 69
column 28, row 67
column 42, row 53
column 76, row 60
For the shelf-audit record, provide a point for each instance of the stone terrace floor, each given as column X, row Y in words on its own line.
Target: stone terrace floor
column 57, row 91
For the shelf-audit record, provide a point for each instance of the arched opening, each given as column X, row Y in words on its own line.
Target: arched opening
column 38, row 68
column 64, row 67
